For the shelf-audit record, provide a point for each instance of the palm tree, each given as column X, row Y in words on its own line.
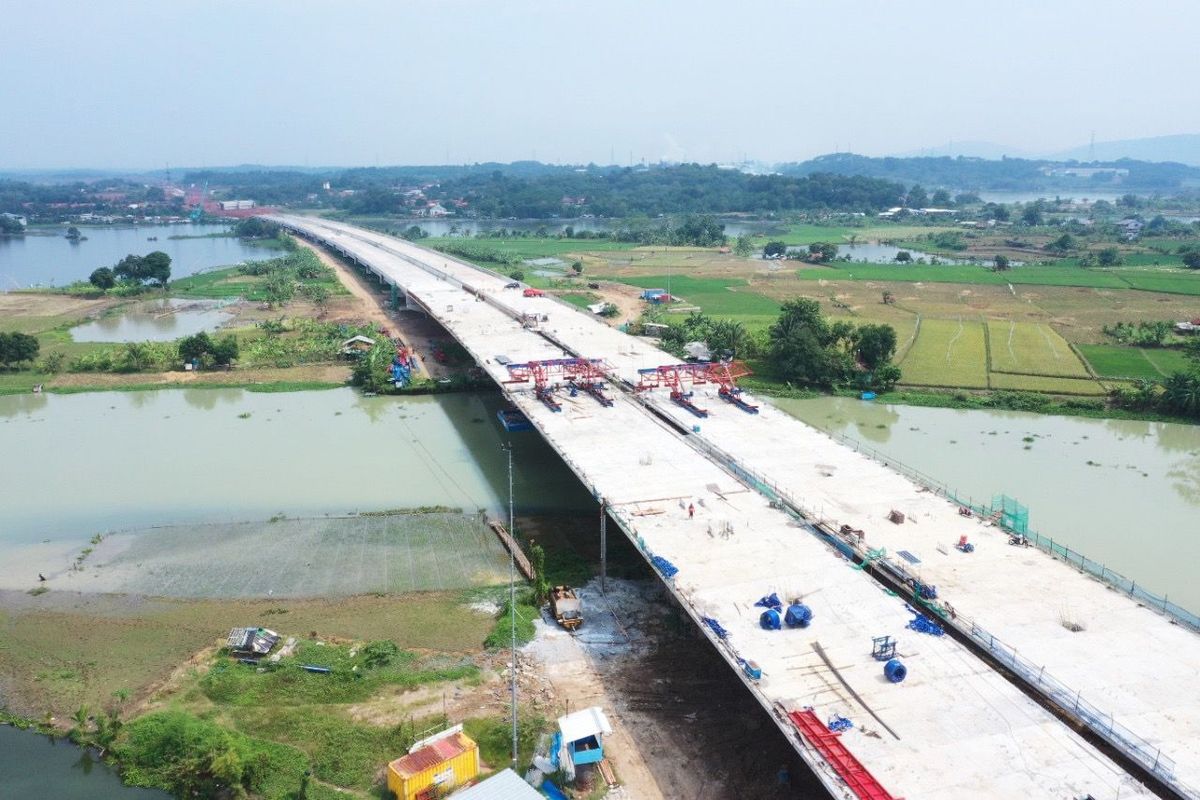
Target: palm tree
column 1181, row 392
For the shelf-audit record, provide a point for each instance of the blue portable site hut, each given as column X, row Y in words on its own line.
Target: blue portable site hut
column 582, row 738
column 651, row 294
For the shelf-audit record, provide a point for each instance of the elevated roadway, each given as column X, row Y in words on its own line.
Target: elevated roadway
column 956, row 727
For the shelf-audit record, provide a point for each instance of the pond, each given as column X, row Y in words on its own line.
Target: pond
column 1124, row 493
column 878, row 253
column 53, row 260
column 100, row 462
column 36, row 766
column 160, row 320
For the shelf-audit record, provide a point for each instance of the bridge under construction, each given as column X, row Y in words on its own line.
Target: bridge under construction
column 957, row 669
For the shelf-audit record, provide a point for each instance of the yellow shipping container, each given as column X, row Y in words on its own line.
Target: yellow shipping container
column 441, row 763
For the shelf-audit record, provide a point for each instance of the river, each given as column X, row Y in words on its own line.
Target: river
column 37, row 260
column 100, row 462
column 36, row 766
column 1124, row 493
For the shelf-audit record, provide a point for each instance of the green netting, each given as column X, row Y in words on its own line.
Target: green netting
column 1013, row 515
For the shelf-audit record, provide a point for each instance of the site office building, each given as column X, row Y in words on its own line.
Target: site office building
column 434, row 766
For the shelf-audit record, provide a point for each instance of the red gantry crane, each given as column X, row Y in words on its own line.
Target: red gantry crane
column 676, row 376
column 580, row 374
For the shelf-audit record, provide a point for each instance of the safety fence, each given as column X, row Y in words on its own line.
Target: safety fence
column 1070, row 701
column 1101, row 571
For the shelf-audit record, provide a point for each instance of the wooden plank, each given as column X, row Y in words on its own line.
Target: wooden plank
column 511, row 546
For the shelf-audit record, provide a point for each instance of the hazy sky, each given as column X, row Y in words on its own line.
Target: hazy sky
column 121, row 83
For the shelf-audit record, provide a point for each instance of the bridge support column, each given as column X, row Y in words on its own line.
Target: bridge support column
column 395, row 297
column 603, row 546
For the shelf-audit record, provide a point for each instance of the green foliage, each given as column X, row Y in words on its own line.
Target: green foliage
column 155, row 266
column 541, row 586
column 1146, row 334
column 1191, row 259
column 494, row 736
column 351, row 678
column 822, row 252
column 806, row 350
column 948, row 240
column 192, row 347
column 255, row 228
column 380, row 653
column 17, row 348
column 875, row 345
column 501, row 636
column 743, row 247
column 279, row 287
column 10, row 226
column 774, row 249
column 1000, row 262
column 1108, row 257
column 189, row 756
column 103, row 278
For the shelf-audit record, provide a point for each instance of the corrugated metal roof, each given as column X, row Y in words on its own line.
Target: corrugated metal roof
column 582, row 724
column 431, row 755
column 506, row 785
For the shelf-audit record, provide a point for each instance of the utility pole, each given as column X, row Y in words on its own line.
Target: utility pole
column 512, row 607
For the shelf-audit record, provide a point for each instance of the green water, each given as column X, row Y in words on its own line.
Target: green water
column 76, row 465
column 35, row 767
column 1123, row 493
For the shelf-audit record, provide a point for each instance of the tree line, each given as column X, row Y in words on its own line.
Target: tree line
column 1004, row 174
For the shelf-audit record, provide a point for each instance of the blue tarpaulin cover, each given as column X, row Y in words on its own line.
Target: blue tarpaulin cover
column 770, row 601
column 668, row 569
column 716, row 627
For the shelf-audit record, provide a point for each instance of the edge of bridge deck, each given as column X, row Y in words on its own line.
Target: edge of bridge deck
column 971, row 734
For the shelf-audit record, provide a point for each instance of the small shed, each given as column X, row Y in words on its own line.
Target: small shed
column 434, row 766
column 251, row 641
column 357, row 344
column 506, row 785
column 582, row 738
column 650, row 294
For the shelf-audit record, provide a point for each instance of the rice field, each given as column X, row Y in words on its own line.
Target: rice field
column 1048, row 384
column 947, row 353
column 1132, row 363
column 1031, row 348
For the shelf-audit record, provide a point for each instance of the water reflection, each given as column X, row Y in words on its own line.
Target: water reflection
column 19, row 404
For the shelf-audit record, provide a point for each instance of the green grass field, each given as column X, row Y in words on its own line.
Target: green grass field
column 531, row 247
column 720, row 297
column 841, row 234
column 1049, row 275
column 947, row 353
column 1117, row 361
column 580, row 299
column 1032, row 349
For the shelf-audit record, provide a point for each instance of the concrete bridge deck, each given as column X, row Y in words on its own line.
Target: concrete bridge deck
column 954, row 728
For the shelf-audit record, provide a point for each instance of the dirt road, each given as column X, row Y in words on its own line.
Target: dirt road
column 412, row 328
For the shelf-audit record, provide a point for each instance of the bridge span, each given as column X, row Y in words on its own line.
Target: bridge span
column 956, row 727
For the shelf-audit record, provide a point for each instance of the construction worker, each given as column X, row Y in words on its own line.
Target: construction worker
column 691, row 511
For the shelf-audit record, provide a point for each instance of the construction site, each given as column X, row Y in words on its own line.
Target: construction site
column 905, row 642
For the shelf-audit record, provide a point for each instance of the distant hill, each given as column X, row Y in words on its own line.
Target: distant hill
column 1183, row 148
column 989, row 150
column 1009, row 174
